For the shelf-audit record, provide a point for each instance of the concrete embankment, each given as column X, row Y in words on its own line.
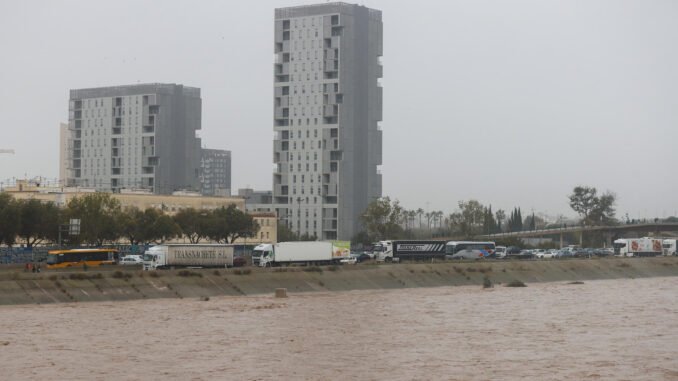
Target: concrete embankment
column 125, row 283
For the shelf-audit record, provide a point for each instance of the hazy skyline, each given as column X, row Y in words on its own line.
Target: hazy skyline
column 510, row 103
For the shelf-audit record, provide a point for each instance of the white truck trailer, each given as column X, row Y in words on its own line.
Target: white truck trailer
column 169, row 256
column 307, row 252
column 637, row 247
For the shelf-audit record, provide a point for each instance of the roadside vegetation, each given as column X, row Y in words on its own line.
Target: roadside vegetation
column 103, row 220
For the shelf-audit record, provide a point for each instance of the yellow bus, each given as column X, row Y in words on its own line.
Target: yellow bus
column 79, row 257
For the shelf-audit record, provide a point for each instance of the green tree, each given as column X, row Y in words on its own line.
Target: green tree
column 285, row 234
column 193, row 223
column 594, row 210
column 99, row 214
column 381, row 218
column 362, row 238
column 163, row 229
column 489, row 223
column 515, row 222
column 38, row 221
column 10, row 219
column 500, row 216
column 131, row 225
column 468, row 220
column 420, row 212
column 228, row 224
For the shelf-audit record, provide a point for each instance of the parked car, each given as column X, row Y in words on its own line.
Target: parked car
column 604, row 252
column 239, row 261
column 547, row 254
column 363, row 257
column 564, row 254
column 580, row 253
column 352, row 260
column 513, row 250
column 131, row 260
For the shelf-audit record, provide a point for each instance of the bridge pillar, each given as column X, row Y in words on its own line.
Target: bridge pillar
column 561, row 240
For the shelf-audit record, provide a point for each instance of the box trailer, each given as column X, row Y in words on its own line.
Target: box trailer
column 637, row 247
column 387, row 251
column 169, row 256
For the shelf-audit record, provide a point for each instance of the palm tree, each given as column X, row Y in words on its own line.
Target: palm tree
column 420, row 212
column 410, row 215
column 440, row 214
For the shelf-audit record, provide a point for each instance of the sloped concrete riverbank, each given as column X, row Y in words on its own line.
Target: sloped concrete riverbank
column 121, row 283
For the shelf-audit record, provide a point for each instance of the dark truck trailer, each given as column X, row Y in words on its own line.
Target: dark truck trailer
column 409, row 250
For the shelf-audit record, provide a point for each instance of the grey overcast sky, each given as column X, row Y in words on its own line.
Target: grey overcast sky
column 512, row 103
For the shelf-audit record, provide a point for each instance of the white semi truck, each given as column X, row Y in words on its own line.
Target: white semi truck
column 307, row 252
column 170, row 256
column 637, row 247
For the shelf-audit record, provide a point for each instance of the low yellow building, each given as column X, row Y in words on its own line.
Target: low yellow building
column 169, row 204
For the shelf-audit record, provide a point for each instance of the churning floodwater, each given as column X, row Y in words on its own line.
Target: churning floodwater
column 608, row 329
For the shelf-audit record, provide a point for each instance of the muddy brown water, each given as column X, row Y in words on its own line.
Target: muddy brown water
column 606, row 329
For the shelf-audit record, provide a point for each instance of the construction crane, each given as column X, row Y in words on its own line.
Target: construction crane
column 7, row 151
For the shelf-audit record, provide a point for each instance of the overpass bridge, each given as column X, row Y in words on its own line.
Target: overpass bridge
column 654, row 229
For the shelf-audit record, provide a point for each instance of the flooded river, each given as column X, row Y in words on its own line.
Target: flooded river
column 610, row 329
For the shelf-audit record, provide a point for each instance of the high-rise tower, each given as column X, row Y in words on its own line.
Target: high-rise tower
column 136, row 136
column 327, row 105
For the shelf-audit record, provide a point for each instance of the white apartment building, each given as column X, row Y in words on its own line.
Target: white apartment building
column 327, row 105
column 135, row 137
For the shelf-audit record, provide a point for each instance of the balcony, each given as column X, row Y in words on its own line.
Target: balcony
column 282, row 113
column 282, row 78
column 330, row 111
column 282, row 68
column 331, row 65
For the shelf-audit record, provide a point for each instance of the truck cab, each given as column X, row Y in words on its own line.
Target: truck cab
column 500, row 251
column 262, row 255
column 383, row 251
column 155, row 257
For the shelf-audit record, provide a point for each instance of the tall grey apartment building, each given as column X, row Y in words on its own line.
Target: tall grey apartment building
column 136, row 136
column 327, row 105
column 215, row 172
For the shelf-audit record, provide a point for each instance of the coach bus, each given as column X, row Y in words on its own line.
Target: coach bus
column 80, row 257
column 469, row 250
